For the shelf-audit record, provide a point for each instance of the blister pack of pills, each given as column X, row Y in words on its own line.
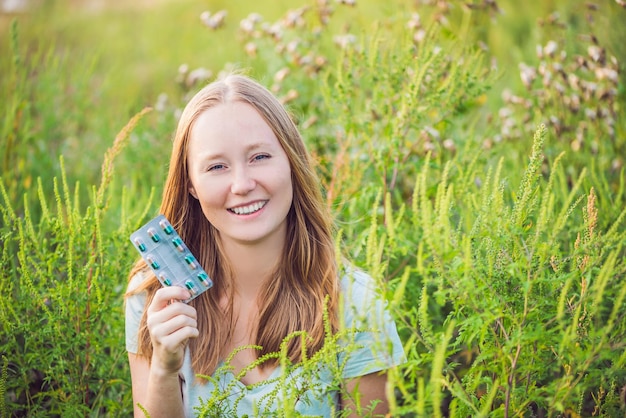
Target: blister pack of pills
column 170, row 259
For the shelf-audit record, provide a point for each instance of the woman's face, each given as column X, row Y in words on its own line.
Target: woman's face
column 240, row 174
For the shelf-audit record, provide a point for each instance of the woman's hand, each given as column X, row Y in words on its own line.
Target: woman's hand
column 170, row 323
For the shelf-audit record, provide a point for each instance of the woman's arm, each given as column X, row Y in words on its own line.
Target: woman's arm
column 362, row 392
column 159, row 395
column 156, row 383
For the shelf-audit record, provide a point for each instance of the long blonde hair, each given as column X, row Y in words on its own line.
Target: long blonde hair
column 294, row 300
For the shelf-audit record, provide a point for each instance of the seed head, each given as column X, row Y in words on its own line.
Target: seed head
column 214, row 21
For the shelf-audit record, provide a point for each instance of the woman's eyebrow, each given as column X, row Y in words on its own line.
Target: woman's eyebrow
column 249, row 148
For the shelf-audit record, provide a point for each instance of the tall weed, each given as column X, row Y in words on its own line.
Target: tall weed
column 61, row 307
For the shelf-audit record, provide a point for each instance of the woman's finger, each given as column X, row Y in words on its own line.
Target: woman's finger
column 164, row 295
column 172, row 325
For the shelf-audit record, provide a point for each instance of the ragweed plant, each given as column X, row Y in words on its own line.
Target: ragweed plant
column 62, row 297
column 501, row 314
column 316, row 379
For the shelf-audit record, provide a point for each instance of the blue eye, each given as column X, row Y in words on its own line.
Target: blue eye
column 261, row 157
column 216, row 167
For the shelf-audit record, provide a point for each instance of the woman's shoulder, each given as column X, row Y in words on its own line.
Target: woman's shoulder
column 136, row 281
column 358, row 288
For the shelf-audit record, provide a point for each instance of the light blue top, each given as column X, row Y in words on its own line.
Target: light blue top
column 367, row 342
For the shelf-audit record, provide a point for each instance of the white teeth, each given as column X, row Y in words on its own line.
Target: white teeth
column 246, row 210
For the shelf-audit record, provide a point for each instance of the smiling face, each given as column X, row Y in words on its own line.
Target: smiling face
column 240, row 174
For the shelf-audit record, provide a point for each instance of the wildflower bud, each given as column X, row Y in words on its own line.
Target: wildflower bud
column 415, row 22
column 161, row 102
column 617, row 164
column 290, row 19
column 606, row 73
column 573, row 81
column 606, row 94
column 558, row 67
column 443, row 6
column 541, row 69
column 610, row 130
column 442, row 19
column 183, row 69
column 205, row 16
column 493, row 64
column 555, row 121
column 550, row 48
column 576, row 145
column 547, row 78
column 539, row 51
column 246, row 25
column 590, row 114
column 290, row 96
column 198, row 75
column 574, row 103
column 275, row 31
column 344, row 40
column 527, row 74
column 505, row 113
column 320, row 61
column 589, row 86
column 281, row 74
column 255, row 18
column 429, row 147
column 595, row 53
column 449, row 145
column 506, row 95
column 292, row 46
column 251, row 49
column 309, row 122
column 432, row 133
column 213, row 21
column 419, row 36
column 305, row 61
column 559, row 88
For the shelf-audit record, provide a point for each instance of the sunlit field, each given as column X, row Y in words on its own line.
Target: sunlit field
column 473, row 155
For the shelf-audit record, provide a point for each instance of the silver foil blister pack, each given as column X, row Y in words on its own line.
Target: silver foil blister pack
column 169, row 258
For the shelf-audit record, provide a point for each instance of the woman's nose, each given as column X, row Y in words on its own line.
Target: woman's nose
column 242, row 181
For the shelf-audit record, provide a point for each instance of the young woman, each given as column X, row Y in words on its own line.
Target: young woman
column 243, row 195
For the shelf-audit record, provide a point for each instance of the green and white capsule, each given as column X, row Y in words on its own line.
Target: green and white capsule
column 152, row 233
column 153, row 263
column 167, row 228
column 178, row 243
column 165, row 280
column 191, row 261
column 204, row 279
column 192, row 287
column 140, row 244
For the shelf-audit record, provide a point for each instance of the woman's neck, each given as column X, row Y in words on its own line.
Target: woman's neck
column 252, row 265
